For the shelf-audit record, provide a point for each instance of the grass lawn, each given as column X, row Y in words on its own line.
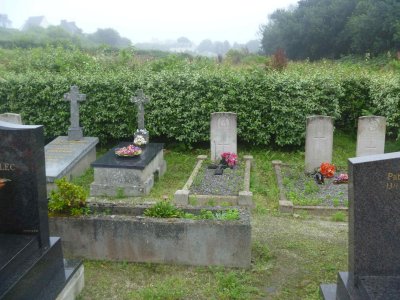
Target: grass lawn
column 291, row 255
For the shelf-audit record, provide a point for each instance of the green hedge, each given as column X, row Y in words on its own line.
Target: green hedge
column 271, row 106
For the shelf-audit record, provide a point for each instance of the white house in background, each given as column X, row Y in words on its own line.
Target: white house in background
column 70, row 27
column 39, row 21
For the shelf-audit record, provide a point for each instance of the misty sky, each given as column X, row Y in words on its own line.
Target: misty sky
column 145, row 20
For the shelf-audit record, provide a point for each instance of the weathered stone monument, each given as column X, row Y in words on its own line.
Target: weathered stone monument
column 75, row 132
column 69, row 156
column 319, row 142
column 31, row 262
column 371, row 135
column 129, row 176
column 223, row 135
column 374, row 228
column 11, row 118
column 140, row 100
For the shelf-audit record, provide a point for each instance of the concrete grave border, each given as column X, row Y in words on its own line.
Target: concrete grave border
column 122, row 233
column 286, row 206
column 244, row 198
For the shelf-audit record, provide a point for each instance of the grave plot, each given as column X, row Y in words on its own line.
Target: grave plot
column 129, row 169
column 318, row 186
column 216, row 184
column 69, row 156
column 125, row 233
column 315, row 192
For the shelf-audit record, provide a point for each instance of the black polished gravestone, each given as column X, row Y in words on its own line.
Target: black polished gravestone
column 31, row 262
column 374, row 231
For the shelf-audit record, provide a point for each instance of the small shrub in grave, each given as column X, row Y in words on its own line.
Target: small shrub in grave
column 68, row 199
column 307, row 190
column 165, row 209
column 338, row 217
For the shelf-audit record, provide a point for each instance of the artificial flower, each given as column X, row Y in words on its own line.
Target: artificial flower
column 230, row 158
column 327, row 170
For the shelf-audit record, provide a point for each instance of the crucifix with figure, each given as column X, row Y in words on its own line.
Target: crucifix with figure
column 74, row 131
column 140, row 100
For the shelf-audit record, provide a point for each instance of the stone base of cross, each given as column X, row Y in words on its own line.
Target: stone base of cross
column 75, row 133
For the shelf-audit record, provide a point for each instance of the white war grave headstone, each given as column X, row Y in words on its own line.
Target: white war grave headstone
column 319, row 142
column 223, row 134
column 371, row 135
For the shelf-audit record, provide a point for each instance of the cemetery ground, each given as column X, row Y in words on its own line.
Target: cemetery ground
column 291, row 254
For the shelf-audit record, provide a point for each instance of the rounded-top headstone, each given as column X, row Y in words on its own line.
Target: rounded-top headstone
column 371, row 135
column 223, row 134
column 23, row 205
column 319, row 142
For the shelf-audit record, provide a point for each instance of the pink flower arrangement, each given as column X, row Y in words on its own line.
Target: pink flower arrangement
column 342, row 178
column 230, row 158
column 130, row 150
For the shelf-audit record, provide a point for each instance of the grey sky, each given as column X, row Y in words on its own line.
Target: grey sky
column 145, row 20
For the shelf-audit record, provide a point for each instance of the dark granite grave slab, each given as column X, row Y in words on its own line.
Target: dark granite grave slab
column 17, row 254
column 44, row 279
column 374, row 228
column 31, row 262
column 369, row 288
column 374, row 215
column 381, row 287
column 110, row 160
column 328, row 291
column 23, row 200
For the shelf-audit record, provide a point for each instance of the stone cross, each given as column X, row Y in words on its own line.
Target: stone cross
column 74, row 131
column 140, row 100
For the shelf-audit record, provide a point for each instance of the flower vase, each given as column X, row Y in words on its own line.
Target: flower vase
column 223, row 164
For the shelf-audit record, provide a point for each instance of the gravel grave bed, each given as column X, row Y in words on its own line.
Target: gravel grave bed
column 227, row 184
column 302, row 189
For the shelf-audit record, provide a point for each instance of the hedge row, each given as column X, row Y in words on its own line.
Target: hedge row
column 271, row 107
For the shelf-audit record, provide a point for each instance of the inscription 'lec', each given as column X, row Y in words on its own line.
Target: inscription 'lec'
column 7, row 166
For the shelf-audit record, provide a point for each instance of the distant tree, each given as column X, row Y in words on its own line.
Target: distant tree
column 109, row 37
column 331, row 28
column 218, row 48
column 254, row 46
column 125, row 42
column 226, row 46
column 184, row 42
column 57, row 33
column 205, row 46
column 4, row 21
column 314, row 29
column 235, row 56
column 375, row 26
